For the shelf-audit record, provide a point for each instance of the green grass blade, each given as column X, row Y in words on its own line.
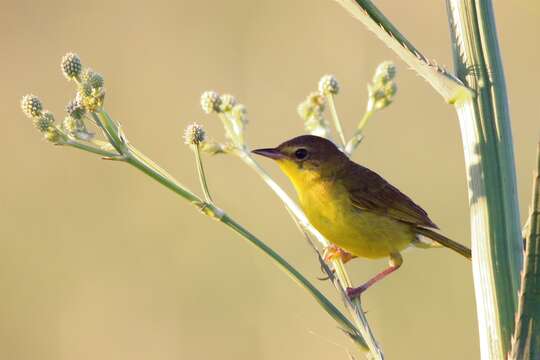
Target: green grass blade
column 446, row 84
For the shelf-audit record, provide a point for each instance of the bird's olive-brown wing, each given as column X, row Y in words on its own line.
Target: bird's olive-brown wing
column 370, row 192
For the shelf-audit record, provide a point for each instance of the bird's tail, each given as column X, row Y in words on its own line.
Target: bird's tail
column 444, row 241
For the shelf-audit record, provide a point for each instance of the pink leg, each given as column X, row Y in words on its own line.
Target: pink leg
column 395, row 262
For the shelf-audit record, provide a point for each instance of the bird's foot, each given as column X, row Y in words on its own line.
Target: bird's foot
column 334, row 252
column 356, row 292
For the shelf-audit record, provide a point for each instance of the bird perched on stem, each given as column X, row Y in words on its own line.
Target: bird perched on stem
column 357, row 210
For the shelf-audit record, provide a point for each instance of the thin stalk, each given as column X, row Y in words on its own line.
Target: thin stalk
column 344, row 323
column 358, row 135
column 526, row 339
column 200, row 171
column 110, row 129
column 92, row 149
column 487, row 143
column 231, row 129
column 335, row 117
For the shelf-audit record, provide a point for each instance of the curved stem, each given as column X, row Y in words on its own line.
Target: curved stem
column 200, row 171
column 358, row 135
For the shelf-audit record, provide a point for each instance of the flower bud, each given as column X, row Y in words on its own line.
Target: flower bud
column 381, row 95
column 313, row 104
column 328, row 85
column 227, row 102
column 71, row 66
column 239, row 112
column 92, row 79
column 311, row 111
column 194, row 134
column 92, row 102
column 75, row 108
column 31, row 106
column 383, row 88
column 385, row 72
column 70, row 124
column 44, row 121
column 210, row 102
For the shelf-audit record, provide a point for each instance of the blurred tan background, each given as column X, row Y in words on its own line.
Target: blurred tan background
column 98, row 261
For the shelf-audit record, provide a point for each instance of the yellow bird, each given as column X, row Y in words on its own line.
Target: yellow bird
column 353, row 207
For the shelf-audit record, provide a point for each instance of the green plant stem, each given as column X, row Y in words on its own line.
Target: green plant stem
column 358, row 135
column 489, row 158
column 526, row 339
column 447, row 85
column 200, row 171
column 231, row 129
column 92, row 149
column 335, row 117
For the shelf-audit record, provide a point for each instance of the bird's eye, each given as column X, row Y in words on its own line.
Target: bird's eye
column 301, row 154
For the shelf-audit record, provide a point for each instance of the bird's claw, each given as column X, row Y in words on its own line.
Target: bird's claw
column 356, row 292
column 334, row 252
column 327, row 277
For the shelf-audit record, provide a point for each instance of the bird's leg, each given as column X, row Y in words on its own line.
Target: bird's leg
column 333, row 252
column 394, row 263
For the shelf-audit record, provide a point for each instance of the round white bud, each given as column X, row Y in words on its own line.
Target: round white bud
column 328, row 85
column 194, row 134
column 71, row 66
column 31, row 106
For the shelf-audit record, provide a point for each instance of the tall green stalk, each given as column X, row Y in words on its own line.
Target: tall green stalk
column 489, row 157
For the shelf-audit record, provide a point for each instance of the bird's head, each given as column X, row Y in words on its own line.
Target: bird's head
column 305, row 157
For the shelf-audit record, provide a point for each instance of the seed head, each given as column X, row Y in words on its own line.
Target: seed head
column 70, row 124
column 316, row 100
column 328, row 85
column 92, row 79
column 385, row 72
column 31, row 106
column 239, row 112
column 210, row 102
column 227, row 102
column 194, row 134
column 75, row 108
column 390, row 89
column 44, row 121
column 71, row 66
column 381, row 95
column 312, row 105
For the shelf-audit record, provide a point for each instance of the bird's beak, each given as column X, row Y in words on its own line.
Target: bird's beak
column 269, row 153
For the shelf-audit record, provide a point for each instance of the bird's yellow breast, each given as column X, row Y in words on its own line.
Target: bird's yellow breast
column 327, row 205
